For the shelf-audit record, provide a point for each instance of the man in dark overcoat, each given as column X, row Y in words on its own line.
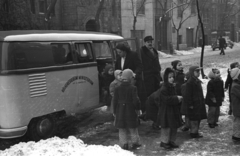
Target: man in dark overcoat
column 151, row 69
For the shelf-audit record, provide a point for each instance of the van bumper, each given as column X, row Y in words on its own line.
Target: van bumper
column 12, row 133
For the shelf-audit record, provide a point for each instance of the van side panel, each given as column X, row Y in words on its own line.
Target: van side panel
column 24, row 97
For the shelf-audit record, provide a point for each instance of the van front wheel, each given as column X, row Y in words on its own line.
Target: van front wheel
column 42, row 128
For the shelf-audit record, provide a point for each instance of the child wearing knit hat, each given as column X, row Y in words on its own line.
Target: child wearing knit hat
column 228, row 83
column 235, row 103
column 126, row 108
column 214, row 96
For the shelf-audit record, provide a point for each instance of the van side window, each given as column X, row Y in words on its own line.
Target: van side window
column 25, row 55
column 102, row 49
column 83, row 52
column 61, row 53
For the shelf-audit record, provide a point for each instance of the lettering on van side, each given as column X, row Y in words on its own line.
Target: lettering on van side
column 74, row 79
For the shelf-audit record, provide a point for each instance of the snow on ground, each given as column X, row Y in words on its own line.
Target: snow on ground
column 63, row 147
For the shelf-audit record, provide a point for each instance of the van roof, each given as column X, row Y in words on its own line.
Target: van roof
column 55, row 35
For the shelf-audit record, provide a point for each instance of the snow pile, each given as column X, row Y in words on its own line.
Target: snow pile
column 183, row 52
column 163, row 55
column 64, row 147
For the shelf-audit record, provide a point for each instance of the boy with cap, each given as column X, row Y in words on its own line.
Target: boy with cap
column 126, row 108
column 235, row 94
column 195, row 101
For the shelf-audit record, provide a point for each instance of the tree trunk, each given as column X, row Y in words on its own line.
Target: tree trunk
column 134, row 26
column 203, row 40
column 196, row 36
column 177, row 39
column 97, row 16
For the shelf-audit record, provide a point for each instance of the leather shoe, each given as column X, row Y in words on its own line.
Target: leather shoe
column 173, row 144
column 196, row 135
column 165, row 146
column 136, row 145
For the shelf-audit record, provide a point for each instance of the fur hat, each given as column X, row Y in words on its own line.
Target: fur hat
column 166, row 73
column 117, row 72
column 175, row 63
column 235, row 73
column 127, row 74
column 192, row 69
column 107, row 68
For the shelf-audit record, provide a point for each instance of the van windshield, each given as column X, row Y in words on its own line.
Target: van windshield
column 101, row 49
column 26, row 55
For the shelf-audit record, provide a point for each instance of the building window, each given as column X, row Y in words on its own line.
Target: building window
column 32, row 3
column 42, row 6
column 193, row 7
column 180, row 11
column 180, row 39
column 141, row 6
column 6, row 6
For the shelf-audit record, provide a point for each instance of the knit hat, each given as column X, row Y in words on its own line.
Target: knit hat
column 127, row 74
column 117, row 72
column 211, row 74
column 107, row 68
column 192, row 69
column 233, row 65
column 175, row 63
column 235, row 73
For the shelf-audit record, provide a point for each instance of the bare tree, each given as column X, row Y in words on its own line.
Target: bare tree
column 135, row 13
column 97, row 16
column 182, row 16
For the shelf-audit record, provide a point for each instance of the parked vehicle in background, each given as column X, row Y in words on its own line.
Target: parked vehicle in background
column 47, row 74
column 215, row 44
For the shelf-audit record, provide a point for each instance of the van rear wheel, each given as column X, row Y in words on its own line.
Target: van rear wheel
column 42, row 128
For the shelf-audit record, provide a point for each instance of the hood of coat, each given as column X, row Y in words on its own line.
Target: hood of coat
column 211, row 75
column 192, row 69
column 166, row 73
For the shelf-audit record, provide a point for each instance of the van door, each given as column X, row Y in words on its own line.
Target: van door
column 87, row 79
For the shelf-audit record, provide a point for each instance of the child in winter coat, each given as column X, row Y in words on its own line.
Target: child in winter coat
column 184, row 107
column 214, row 97
column 115, row 84
column 235, row 94
column 228, row 84
column 107, row 78
column 195, row 101
column 127, row 106
column 179, row 79
column 169, row 119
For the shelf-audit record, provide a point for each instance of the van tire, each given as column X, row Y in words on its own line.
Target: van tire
column 37, row 132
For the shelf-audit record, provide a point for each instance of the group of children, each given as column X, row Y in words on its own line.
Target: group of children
column 180, row 94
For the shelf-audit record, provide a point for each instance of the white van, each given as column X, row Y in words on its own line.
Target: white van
column 47, row 74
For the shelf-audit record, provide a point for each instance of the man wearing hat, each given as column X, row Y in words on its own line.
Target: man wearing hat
column 151, row 69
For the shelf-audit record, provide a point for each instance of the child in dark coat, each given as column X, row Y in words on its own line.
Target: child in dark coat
column 195, row 101
column 214, row 97
column 107, row 78
column 170, row 119
column 228, row 84
column 126, row 106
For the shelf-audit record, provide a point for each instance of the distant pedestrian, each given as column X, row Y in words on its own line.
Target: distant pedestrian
column 214, row 97
column 184, row 106
column 115, row 84
column 235, row 94
column 228, row 84
column 222, row 45
column 169, row 119
column 195, row 101
column 126, row 106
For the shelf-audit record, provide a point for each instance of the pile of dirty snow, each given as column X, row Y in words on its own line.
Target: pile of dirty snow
column 163, row 55
column 64, row 147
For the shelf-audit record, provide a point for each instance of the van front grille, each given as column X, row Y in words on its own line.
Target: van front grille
column 37, row 85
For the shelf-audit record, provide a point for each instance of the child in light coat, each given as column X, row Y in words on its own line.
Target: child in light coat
column 127, row 107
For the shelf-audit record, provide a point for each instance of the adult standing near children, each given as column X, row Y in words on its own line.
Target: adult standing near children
column 222, row 44
column 151, row 69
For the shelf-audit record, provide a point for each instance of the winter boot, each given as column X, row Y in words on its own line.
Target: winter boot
column 165, row 146
column 173, row 144
column 196, row 135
